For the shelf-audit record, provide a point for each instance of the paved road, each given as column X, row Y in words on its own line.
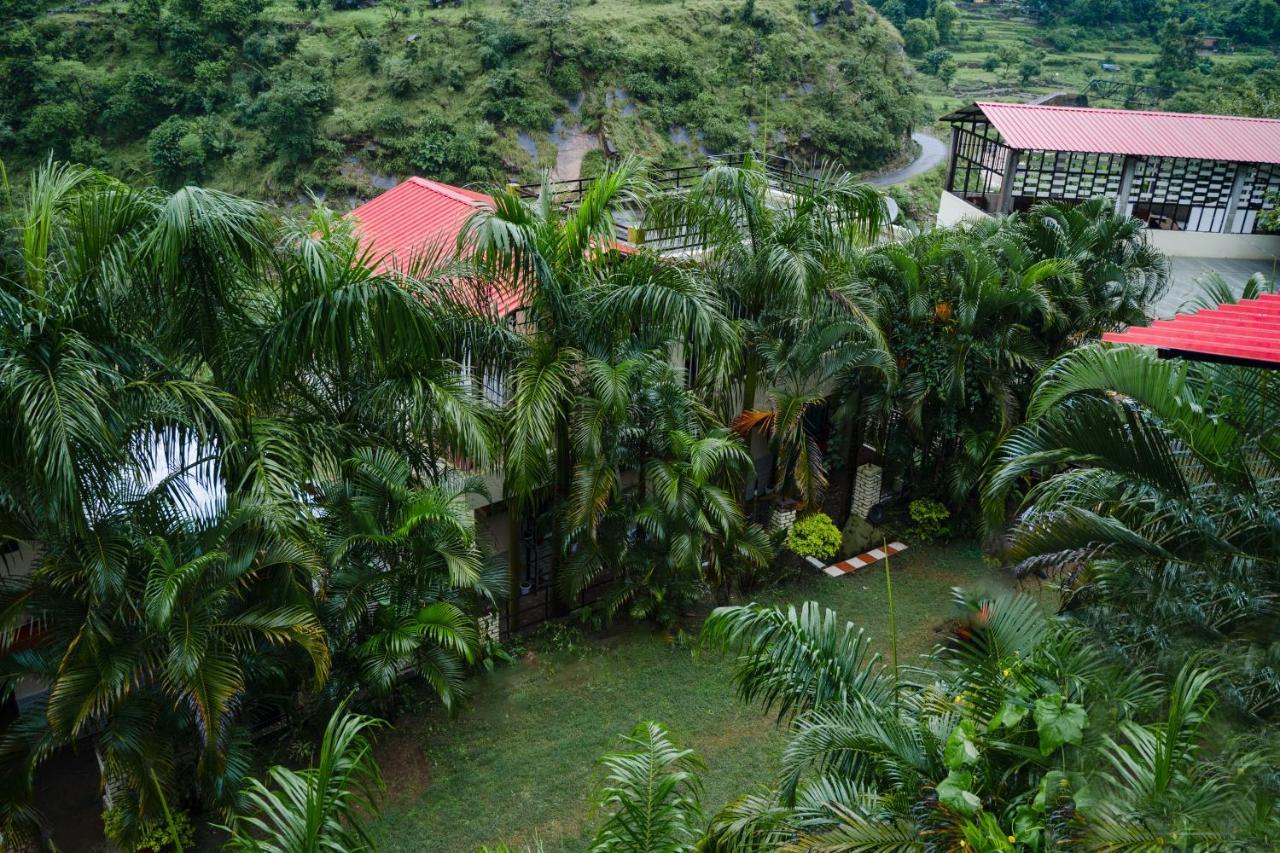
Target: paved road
column 932, row 152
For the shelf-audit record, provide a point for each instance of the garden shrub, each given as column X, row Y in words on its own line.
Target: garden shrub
column 929, row 518
column 815, row 535
column 159, row 836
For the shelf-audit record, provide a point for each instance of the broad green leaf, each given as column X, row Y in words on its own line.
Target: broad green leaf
column 954, row 793
column 961, row 750
column 1028, row 826
column 1058, row 722
column 1009, row 715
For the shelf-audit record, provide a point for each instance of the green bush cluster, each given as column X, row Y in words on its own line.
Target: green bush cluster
column 929, row 520
column 815, row 535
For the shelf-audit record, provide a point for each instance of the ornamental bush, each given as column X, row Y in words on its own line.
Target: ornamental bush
column 929, row 518
column 815, row 535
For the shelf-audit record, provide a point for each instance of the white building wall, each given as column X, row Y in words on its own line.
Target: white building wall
column 953, row 210
column 1199, row 244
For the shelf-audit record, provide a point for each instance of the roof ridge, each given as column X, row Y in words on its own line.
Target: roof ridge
column 1163, row 113
column 446, row 190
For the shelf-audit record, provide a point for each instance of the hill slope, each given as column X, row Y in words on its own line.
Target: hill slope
column 268, row 98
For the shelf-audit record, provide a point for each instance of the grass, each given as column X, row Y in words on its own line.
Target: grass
column 517, row 764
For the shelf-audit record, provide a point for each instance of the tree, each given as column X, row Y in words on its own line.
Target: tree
column 176, row 149
column 1179, row 43
column 651, row 794
column 549, row 18
column 1030, row 67
column 320, row 808
column 770, row 258
column 1020, row 732
column 945, row 16
column 155, row 348
column 583, row 299
column 1138, row 495
column 290, row 113
column 934, row 59
column 919, row 36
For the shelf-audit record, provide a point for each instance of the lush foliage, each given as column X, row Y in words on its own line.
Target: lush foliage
column 814, row 535
column 274, row 98
column 1020, row 734
column 320, row 808
column 208, row 460
column 928, row 520
column 1152, row 490
column 651, row 795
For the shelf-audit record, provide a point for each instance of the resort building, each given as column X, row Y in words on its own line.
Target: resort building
column 1199, row 182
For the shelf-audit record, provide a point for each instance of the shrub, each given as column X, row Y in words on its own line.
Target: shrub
column 815, row 535
column 159, row 836
column 930, row 520
column 176, row 149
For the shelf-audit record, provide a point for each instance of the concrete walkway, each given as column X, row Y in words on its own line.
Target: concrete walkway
column 851, row 565
column 932, row 152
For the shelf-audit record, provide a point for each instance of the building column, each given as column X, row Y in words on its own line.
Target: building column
column 1126, row 186
column 951, row 159
column 1236, row 199
column 1005, row 202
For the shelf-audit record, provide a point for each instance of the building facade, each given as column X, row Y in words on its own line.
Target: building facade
column 1201, row 183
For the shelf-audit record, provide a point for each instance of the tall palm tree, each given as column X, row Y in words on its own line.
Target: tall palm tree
column 769, row 250
column 321, row 808
column 582, row 299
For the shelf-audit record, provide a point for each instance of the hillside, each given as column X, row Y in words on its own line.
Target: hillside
column 269, row 99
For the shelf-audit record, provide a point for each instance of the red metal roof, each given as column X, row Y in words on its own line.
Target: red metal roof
column 1246, row 332
column 413, row 216
column 1135, row 132
column 420, row 215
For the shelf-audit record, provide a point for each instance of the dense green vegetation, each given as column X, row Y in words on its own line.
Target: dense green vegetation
column 266, row 98
column 1017, row 51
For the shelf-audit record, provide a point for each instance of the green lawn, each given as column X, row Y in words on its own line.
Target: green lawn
column 516, row 765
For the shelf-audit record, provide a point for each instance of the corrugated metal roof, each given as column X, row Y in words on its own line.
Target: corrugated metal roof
column 1135, row 132
column 416, row 216
column 1246, row 332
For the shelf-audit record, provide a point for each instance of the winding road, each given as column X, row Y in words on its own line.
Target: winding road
column 932, row 152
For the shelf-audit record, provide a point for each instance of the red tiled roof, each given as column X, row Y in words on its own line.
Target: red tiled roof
column 1135, row 132
column 419, row 215
column 1246, row 332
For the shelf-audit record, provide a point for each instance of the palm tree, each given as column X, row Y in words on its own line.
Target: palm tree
column 260, row 357
column 811, row 360
column 321, row 808
column 999, row 741
column 1118, row 276
column 1148, row 486
column 402, row 556
column 582, row 300
column 651, row 793
column 769, row 252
